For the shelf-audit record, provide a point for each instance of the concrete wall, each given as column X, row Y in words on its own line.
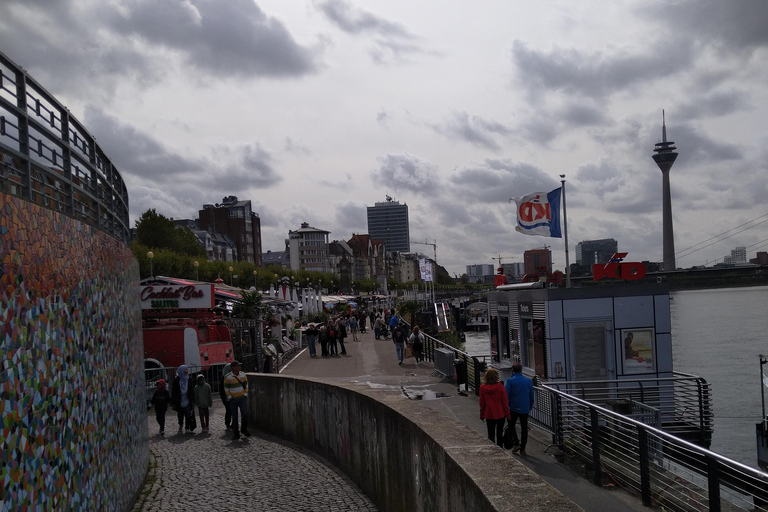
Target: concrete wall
column 73, row 427
column 403, row 455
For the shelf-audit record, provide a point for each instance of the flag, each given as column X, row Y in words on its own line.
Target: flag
column 539, row 214
column 425, row 269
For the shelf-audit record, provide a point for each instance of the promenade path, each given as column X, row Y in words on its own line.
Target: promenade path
column 203, row 472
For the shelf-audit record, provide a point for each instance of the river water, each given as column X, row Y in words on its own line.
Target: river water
column 716, row 334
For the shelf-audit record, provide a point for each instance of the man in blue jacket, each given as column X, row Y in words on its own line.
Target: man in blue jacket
column 520, row 395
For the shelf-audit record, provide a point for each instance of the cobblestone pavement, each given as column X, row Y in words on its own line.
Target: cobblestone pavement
column 210, row 471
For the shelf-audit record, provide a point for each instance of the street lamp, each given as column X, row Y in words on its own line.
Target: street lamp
column 230, row 276
column 150, row 255
column 196, row 264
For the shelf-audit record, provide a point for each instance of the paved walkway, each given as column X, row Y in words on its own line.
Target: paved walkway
column 264, row 473
column 375, row 363
column 203, row 472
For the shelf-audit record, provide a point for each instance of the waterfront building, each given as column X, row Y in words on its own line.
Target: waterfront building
column 388, row 221
column 307, row 249
column 665, row 156
column 537, row 260
column 368, row 260
column 237, row 220
column 478, row 273
column 339, row 251
column 589, row 252
column 738, row 256
column 275, row 258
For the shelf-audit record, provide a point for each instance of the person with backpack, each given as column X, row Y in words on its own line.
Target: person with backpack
column 417, row 343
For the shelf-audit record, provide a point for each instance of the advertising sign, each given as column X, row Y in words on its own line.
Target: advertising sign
column 191, row 296
column 637, row 345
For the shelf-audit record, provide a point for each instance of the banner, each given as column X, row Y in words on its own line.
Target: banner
column 425, row 268
column 539, row 214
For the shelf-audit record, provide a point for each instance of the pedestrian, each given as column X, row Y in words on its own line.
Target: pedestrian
column 399, row 337
column 203, row 401
column 494, row 405
column 223, row 394
column 322, row 337
column 353, row 325
column 236, row 386
column 311, row 334
column 521, row 397
column 341, row 334
column 160, row 400
column 333, row 348
column 182, row 399
column 417, row 342
column 362, row 317
column 378, row 325
column 393, row 321
column 372, row 317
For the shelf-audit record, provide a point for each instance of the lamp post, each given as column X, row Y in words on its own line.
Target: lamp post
column 196, row 264
column 230, row 275
column 150, row 255
column 256, row 279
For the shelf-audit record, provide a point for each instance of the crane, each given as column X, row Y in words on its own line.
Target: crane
column 434, row 247
column 500, row 257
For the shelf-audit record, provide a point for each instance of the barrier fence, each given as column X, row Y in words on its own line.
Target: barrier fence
column 661, row 468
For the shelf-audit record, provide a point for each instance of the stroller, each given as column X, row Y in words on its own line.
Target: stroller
column 384, row 333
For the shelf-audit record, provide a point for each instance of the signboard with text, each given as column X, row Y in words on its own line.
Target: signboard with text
column 191, row 296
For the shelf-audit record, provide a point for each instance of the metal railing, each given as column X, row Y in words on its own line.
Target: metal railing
column 680, row 405
column 48, row 157
column 661, row 468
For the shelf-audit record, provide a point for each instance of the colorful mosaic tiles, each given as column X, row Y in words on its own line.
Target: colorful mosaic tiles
column 73, row 433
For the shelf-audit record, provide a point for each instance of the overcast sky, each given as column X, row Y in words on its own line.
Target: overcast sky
column 315, row 110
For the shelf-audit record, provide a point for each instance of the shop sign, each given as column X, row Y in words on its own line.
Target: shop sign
column 190, row 296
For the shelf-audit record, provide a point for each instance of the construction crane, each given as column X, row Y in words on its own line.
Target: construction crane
column 434, row 247
column 500, row 257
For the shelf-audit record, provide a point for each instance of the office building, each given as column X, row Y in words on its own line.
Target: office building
column 307, row 249
column 538, row 260
column 388, row 221
column 239, row 222
column 589, row 252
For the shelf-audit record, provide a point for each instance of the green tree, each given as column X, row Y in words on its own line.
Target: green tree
column 156, row 231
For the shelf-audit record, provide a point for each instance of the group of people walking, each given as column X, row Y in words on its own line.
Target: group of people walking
column 331, row 335
column 511, row 401
column 184, row 397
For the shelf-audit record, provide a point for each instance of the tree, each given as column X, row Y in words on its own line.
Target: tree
column 156, row 231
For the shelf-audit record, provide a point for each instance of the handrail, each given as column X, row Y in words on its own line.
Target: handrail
column 664, row 469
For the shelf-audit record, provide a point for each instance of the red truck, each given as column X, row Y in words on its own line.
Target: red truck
column 181, row 327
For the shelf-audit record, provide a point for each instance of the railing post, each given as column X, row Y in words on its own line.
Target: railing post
column 645, row 470
column 713, row 484
column 595, row 433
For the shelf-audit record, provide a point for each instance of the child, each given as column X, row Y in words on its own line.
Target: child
column 203, row 400
column 160, row 401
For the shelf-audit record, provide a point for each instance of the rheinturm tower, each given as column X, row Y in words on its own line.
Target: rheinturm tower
column 665, row 156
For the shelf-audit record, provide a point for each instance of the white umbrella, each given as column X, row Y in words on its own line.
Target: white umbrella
column 272, row 291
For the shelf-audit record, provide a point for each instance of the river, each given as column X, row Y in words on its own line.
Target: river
column 716, row 334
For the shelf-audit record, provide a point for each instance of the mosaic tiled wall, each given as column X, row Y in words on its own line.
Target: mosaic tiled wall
column 73, row 434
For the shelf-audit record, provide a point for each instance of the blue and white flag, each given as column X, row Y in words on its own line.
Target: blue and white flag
column 539, row 214
column 425, row 269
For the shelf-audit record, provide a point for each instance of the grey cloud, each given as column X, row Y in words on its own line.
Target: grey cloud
column 355, row 21
column 351, row 218
column 390, row 39
column 583, row 115
column 253, row 169
column 714, row 105
column 475, row 130
column 597, row 75
column 544, row 126
column 406, row 172
column 383, row 118
column 232, row 38
column 694, row 145
column 296, row 148
column 737, row 25
column 135, row 153
column 495, row 181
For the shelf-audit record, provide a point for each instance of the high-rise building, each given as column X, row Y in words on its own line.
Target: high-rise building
column 537, row 260
column 589, row 252
column 738, row 256
column 307, row 249
column 237, row 220
column 388, row 221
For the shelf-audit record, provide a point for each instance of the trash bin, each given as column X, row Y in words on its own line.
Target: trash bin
column 460, row 371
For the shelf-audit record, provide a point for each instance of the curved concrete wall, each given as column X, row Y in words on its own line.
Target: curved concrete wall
column 73, row 434
column 404, row 456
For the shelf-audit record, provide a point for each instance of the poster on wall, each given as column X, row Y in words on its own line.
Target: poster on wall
column 638, row 350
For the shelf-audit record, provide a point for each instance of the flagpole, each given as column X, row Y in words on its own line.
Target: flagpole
column 565, row 234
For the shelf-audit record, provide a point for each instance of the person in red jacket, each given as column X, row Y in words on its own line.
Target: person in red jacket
column 494, row 406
